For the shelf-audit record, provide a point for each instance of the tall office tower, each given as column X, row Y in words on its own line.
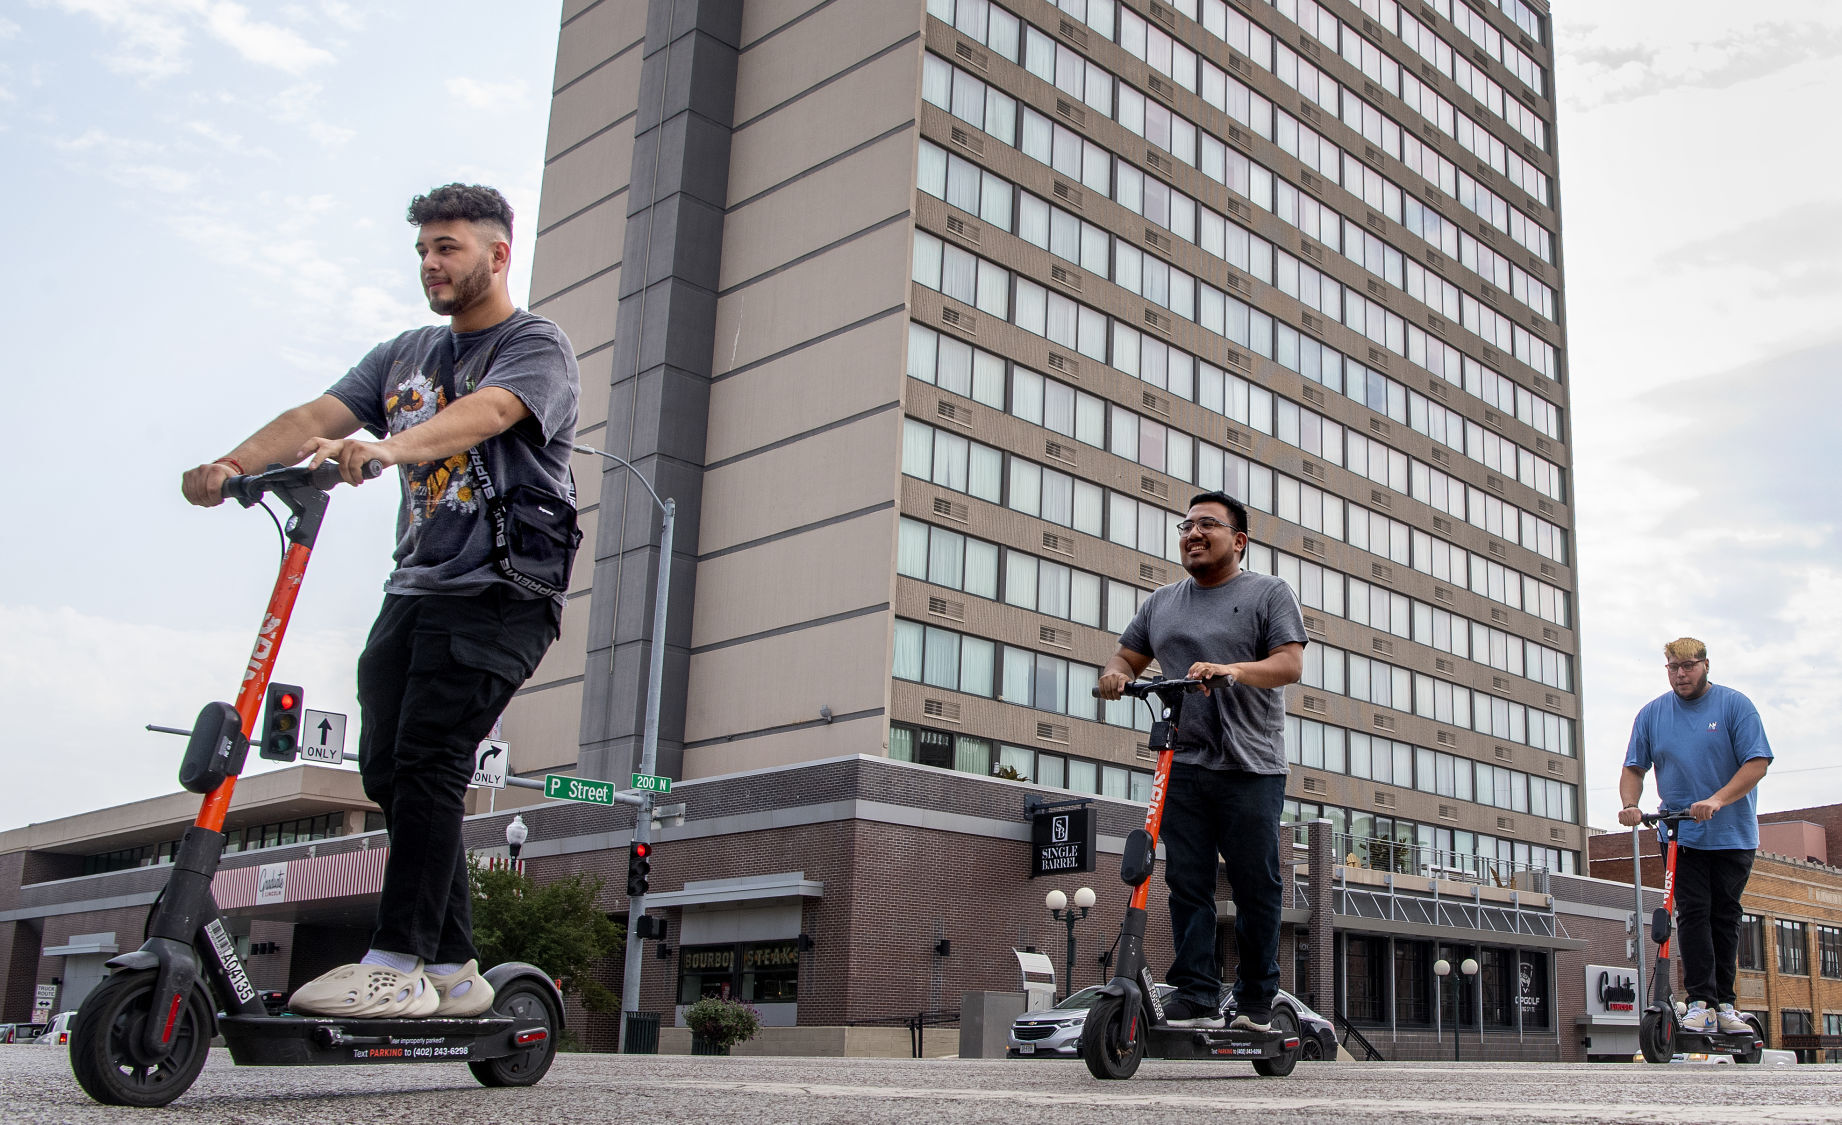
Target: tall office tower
column 932, row 315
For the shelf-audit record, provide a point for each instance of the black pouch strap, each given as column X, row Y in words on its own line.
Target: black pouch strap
column 497, row 519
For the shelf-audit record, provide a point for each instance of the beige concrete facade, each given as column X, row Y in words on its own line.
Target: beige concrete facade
column 809, row 303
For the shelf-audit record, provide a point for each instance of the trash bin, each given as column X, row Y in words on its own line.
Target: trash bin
column 642, row 1034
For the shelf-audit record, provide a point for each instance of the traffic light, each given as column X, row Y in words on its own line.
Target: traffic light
column 281, row 723
column 639, row 869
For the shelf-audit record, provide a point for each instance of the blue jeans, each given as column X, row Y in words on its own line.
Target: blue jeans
column 1233, row 814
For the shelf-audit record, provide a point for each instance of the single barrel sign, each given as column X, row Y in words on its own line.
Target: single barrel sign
column 559, row 787
column 1062, row 840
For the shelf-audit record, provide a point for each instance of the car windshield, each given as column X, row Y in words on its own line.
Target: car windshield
column 1082, row 999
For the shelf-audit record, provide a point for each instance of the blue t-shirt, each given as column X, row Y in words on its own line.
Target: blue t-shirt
column 1697, row 746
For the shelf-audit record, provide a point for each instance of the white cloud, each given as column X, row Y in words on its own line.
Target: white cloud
column 488, row 95
column 152, row 38
column 159, row 177
column 80, row 732
column 8, row 28
column 149, row 40
column 265, row 44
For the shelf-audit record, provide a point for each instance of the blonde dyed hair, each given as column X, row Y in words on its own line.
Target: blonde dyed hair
column 1685, row 648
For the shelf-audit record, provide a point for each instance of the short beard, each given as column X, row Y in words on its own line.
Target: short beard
column 464, row 292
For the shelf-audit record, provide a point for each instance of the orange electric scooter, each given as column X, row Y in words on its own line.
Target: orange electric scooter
column 141, row 1037
column 1127, row 1023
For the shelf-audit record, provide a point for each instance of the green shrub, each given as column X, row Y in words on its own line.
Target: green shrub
column 722, row 1023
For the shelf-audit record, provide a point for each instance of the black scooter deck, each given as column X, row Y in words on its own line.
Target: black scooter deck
column 1717, row 1043
column 1216, row 1043
column 319, row 1041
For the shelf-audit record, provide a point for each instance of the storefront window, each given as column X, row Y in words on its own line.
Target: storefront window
column 1365, row 959
column 706, row 970
column 1413, row 975
column 761, row 972
column 1495, row 973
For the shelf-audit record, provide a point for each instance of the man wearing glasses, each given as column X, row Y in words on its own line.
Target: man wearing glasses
column 1243, row 634
column 1710, row 751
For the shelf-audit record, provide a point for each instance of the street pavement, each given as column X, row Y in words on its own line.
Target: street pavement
column 36, row 1086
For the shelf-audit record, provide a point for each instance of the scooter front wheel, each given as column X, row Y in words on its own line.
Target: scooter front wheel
column 1656, row 1036
column 106, row 1052
column 1113, row 1038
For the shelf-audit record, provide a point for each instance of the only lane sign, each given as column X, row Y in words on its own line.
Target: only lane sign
column 322, row 737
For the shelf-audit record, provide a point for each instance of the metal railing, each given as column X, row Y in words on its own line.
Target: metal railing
column 916, row 1024
column 1348, row 1029
column 1404, row 858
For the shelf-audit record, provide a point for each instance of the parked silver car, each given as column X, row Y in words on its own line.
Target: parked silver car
column 1056, row 1032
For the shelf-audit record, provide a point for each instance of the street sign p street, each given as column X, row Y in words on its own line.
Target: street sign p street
column 561, row 787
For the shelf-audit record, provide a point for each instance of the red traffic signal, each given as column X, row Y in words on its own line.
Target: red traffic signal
column 639, row 868
column 281, row 723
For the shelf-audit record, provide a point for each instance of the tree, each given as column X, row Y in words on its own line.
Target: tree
column 555, row 926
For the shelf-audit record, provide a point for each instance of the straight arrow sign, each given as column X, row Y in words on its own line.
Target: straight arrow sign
column 323, row 737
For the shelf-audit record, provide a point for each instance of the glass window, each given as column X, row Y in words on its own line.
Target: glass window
column 1793, row 956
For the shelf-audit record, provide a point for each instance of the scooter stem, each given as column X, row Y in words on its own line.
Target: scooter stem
column 256, row 673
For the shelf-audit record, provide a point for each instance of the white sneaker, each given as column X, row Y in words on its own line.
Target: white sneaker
column 474, row 995
column 1698, row 1020
column 367, row 992
column 1729, row 1021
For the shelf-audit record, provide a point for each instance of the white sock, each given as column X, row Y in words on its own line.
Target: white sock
column 401, row 962
column 442, row 970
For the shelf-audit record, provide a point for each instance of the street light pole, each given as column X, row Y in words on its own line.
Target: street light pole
column 649, row 745
column 1443, row 969
column 1057, row 902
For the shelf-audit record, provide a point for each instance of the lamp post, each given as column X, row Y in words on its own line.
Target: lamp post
column 649, row 747
column 1057, row 902
column 1443, row 969
column 515, row 835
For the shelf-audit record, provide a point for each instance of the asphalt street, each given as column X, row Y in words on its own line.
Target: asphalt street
column 36, row 1086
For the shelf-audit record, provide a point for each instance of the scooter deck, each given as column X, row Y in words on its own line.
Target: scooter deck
column 1717, row 1043
column 1216, row 1043
column 324, row 1041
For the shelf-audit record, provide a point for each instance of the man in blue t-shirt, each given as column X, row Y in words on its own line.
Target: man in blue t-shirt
column 1709, row 750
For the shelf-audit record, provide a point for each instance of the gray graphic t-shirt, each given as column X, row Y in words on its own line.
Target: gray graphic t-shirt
column 444, row 541
column 1243, row 619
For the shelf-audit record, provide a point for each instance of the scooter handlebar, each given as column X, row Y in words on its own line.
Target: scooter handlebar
column 1143, row 689
column 247, row 490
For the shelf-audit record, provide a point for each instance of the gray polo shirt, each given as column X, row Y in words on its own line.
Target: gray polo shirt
column 1242, row 620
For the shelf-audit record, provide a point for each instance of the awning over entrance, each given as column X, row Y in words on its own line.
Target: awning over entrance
column 731, row 892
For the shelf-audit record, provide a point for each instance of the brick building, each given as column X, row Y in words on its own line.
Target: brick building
column 823, row 892
column 1791, row 932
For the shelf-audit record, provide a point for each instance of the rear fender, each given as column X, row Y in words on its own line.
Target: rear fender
column 506, row 973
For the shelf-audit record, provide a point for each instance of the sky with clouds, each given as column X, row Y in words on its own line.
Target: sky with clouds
column 212, row 196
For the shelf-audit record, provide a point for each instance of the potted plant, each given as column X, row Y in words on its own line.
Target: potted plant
column 717, row 1024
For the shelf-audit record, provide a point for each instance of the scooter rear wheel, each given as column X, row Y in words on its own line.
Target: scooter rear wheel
column 527, row 1002
column 1656, row 1037
column 1281, row 1064
column 1113, row 1038
column 105, row 1042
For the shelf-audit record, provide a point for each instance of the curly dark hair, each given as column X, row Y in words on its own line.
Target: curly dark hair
column 474, row 203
